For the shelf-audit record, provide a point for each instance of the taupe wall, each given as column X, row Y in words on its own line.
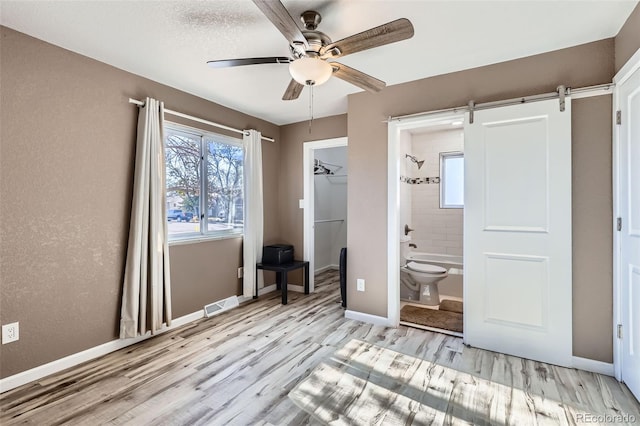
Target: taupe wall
column 66, row 165
column 578, row 66
column 293, row 137
column 592, row 216
column 627, row 42
column 196, row 281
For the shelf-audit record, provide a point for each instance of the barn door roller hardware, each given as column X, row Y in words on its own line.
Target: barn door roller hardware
column 562, row 92
column 471, row 106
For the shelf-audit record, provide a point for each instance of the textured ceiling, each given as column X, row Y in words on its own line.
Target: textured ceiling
column 170, row 41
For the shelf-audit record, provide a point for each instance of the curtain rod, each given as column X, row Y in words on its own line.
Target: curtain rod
column 199, row 120
column 581, row 92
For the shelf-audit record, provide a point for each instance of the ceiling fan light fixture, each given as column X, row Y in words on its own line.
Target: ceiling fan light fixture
column 310, row 71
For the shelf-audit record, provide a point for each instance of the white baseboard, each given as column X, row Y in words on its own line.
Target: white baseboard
column 52, row 367
column 271, row 288
column 325, row 268
column 593, row 366
column 261, row 291
column 296, row 288
column 267, row 289
column 371, row 319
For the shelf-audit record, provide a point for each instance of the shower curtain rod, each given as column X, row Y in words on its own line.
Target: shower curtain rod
column 581, row 92
column 199, row 120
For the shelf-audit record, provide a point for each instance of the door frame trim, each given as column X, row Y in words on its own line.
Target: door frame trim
column 308, row 204
column 394, row 129
column 632, row 65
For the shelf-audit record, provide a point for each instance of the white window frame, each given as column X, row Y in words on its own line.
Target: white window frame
column 205, row 234
column 444, row 156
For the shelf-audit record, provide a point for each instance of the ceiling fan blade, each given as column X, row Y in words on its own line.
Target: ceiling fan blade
column 224, row 63
column 358, row 78
column 293, row 91
column 275, row 11
column 400, row 29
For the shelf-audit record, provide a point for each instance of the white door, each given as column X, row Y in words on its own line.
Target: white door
column 629, row 211
column 517, row 222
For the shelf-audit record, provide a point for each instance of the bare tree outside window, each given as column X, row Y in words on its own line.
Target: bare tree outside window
column 224, row 185
column 196, row 207
column 183, row 169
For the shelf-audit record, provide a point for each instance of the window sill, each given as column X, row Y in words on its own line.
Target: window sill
column 202, row 239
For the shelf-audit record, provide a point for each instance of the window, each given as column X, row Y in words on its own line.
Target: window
column 204, row 177
column 451, row 180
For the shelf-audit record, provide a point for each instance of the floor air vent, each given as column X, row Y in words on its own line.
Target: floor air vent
column 221, row 306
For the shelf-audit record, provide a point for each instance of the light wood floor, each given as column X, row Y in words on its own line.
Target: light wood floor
column 238, row 368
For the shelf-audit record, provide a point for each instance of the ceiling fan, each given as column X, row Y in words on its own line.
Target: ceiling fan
column 313, row 54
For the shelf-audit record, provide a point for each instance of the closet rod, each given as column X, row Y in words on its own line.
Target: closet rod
column 578, row 93
column 199, row 120
column 328, row 164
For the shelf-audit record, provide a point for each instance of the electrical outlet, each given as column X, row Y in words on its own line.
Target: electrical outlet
column 240, row 272
column 360, row 284
column 10, row 332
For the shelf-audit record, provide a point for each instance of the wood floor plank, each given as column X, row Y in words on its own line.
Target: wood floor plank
column 239, row 368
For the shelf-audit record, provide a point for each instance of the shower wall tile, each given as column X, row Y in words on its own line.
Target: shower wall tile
column 452, row 243
column 452, row 231
column 436, row 230
column 454, row 251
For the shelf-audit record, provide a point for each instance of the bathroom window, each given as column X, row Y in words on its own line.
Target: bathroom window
column 204, row 181
column 451, row 180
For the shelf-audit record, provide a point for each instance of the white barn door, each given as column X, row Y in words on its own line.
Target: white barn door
column 629, row 235
column 517, row 227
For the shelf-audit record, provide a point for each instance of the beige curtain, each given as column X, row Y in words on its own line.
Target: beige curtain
column 253, row 212
column 146, row 296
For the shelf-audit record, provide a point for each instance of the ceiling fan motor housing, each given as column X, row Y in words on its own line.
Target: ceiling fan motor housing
column 316, row 40
column 311, row 19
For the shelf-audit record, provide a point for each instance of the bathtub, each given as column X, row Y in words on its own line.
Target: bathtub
column 451, row 263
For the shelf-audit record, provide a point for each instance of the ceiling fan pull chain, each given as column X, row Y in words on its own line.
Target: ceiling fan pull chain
column 310, row 106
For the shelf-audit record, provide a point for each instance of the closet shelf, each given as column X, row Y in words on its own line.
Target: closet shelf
column 329, row 175
column 337, row 179
column 329, row 220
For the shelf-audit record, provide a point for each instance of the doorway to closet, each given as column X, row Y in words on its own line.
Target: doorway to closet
column 325, row 204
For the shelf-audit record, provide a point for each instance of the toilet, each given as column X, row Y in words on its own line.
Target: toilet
column 427, row 277
column 420, row 280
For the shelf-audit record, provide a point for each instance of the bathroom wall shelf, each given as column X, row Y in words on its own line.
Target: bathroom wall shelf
column 417, row 181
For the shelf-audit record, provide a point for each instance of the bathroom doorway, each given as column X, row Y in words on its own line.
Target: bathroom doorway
column 325, row 204
column 431, row 204
column 517, row 267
